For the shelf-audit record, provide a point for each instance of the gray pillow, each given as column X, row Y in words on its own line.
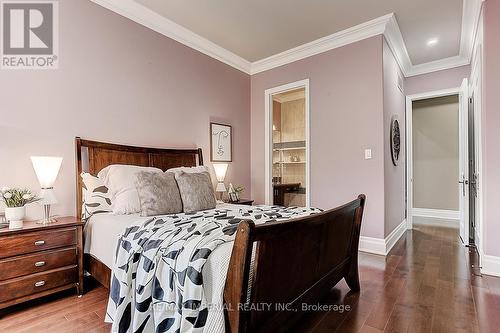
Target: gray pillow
column 158, row 193
column 197, row 192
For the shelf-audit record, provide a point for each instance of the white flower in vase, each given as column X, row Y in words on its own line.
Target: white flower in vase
column 15, row 201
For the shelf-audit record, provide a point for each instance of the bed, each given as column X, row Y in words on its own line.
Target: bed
column 260, row 253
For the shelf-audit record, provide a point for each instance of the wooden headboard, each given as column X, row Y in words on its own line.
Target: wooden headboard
column 93, row 156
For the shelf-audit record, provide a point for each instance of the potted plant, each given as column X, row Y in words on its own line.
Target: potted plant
column 15, row 200
column 234, row 192
column 239, row 190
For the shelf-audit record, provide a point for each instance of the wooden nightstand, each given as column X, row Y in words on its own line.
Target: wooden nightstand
column 39, row 260
column 247, row 202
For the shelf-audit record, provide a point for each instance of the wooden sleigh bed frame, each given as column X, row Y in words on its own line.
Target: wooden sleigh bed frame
column 296, row 262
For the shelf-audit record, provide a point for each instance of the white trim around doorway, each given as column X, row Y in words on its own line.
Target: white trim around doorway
column 409, row 157
column 409, row 144
column 268, row 136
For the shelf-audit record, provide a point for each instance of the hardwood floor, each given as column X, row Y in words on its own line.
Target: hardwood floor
column 424, row 285
column 64, row 312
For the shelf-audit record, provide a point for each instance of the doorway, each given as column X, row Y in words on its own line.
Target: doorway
column 287, row 145
column 459, row 176
column 436, row 171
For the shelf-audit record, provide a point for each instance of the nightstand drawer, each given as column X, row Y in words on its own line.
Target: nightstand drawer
column 34, row 283
column 37, row 262
column 36, row 241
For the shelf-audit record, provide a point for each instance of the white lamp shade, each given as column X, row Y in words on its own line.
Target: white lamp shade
column 220, row 171
column 46, row 169
column 220, row 187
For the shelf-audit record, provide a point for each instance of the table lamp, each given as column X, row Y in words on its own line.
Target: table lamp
column 220, row 173
column 46, row 169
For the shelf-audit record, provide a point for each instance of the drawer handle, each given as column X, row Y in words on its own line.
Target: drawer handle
column 40, row 263
column 39, row 243
column 39, row 283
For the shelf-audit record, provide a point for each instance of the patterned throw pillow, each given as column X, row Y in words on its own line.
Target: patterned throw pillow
column 96, row 196
column 158, row 193
column 196, row 190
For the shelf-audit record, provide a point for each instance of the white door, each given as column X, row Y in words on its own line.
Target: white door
column 463, row 161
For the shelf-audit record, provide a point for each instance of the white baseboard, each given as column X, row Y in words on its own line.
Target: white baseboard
column 382, row 246
column 372, row 245
column 490, row 265
column 437, row 213
column 395, row 235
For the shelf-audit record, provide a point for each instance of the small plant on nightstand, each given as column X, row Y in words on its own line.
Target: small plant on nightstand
column 239, row 190
column 234, row 192
column 15, row 200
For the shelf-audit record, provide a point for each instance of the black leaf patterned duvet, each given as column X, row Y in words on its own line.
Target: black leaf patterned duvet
column 157, row 277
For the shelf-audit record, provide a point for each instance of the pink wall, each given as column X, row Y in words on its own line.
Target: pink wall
column 120, row 82
column 394, row 176
column 491, row 127
column 445, row 79
column 346, row 105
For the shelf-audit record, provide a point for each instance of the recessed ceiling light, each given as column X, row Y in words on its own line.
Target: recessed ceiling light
column 432, row 41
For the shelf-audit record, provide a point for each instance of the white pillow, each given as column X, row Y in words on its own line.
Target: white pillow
column 121, row 181
column 196, row 169
column 96, row 196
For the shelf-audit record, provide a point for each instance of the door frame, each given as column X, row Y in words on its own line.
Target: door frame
column 268, row 102
column 409, row 143
column 476, row 86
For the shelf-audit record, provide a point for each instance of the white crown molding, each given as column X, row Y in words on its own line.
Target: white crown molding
column 359, row 32
column 154, row 21
column 437, row 65
column 396, row 43
column 382, row 246
column 385, row 25
column 471, row 13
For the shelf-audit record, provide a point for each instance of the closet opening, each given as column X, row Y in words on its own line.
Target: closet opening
column 287, row 145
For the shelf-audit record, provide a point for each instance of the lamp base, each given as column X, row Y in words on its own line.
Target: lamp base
column 46, row 216
column 47, row 221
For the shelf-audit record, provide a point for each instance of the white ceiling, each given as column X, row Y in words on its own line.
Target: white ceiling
column 258, row 29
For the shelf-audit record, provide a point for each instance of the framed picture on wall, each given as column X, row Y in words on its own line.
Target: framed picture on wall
column 221, row 143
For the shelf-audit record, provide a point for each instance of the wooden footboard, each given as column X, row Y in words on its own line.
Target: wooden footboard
column 296, row 262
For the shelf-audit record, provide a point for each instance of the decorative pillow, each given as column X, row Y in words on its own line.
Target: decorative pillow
column 121, row 180
column 158, row 193
column 96, row 196
column 196, row 190
column 196, row 169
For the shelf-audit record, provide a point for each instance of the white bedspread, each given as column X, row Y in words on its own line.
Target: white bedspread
column 103, row 230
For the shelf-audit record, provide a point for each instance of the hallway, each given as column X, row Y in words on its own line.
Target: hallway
column 424, row 285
